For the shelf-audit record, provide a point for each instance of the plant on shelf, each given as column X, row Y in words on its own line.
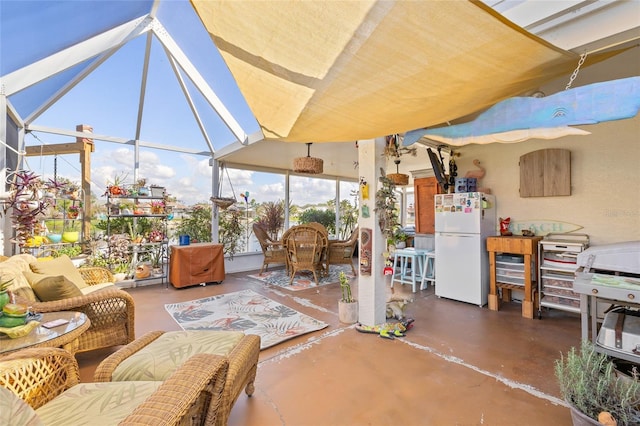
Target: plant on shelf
column 28, row 200
column 116, row 187
column 156, row 233
column 140, row 187
column 589, row 383
column 156, row 258
column 157, row 207
column 73, row 211
column 70, row 250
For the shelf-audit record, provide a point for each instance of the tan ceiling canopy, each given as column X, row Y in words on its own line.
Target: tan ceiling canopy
column 331, row 71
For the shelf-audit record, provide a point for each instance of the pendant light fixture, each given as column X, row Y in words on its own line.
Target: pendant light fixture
column 308, row 164
column 398, row 178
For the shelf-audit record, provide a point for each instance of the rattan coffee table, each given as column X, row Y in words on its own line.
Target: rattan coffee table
column 64, row 336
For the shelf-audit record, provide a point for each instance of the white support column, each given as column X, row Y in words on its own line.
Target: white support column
column 372, row 288
column 215, row 190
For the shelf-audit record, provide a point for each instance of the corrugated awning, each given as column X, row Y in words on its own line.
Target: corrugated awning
column 316, row 71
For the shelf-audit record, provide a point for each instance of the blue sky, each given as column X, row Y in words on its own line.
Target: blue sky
column 107, row 100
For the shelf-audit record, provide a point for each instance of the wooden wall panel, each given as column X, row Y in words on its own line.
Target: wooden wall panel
column 545, row 173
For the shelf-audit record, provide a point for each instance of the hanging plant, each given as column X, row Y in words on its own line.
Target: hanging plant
column 29, row 198
column 386, row 206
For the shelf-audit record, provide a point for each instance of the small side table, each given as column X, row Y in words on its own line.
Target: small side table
column 526, row 246
column 64, row 336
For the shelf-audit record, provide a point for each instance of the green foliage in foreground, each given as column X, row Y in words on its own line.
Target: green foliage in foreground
column 588, row 381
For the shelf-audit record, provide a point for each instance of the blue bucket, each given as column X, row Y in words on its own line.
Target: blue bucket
column 184, row 240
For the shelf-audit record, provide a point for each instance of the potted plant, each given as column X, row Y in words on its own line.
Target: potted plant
column 26, row 202
column 73, row 211
column 157, row 207
column 116, row 188
column 156, row 257
column 347, row 306
column 400, row 238
column 141, row 188
column 595, row 393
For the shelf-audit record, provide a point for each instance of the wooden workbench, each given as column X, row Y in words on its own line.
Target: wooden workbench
column 527, row 246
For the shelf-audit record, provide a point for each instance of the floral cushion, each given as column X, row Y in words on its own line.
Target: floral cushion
column 96, row 403
column 13, row 268
column 16, row 412
column 159, row 359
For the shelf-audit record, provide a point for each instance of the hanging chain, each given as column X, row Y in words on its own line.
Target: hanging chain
column 576, row 71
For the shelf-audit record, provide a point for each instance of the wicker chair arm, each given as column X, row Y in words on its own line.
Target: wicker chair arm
column 179, row 397
column 38, row 375
column 340, row 244
column 105, row 370
column 96, row 275
column 105, row 296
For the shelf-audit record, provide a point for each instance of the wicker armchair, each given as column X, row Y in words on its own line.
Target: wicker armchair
column 110, row 310
column 341, row 252
column 273, row 251
column 192, row 395
column 306, row 246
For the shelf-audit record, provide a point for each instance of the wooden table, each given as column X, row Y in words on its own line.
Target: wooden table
column 526, row 246
column 64, row 336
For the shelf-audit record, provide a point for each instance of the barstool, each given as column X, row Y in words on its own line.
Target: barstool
column 401, row 260
column 429, row 271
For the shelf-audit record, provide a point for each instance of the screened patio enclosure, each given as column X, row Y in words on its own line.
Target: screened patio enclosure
column 239, row 81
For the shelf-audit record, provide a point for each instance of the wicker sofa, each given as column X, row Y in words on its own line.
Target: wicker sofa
column 192, row 395
column 110, row 309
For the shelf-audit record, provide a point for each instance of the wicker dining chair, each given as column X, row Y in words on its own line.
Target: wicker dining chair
column 341, row 252
column 306, row 246
column 273, row 251
column 47, row 379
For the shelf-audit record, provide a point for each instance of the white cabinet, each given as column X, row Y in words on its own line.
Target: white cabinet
column 557, row 255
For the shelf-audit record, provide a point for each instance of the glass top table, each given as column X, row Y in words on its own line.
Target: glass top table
column 63, row 336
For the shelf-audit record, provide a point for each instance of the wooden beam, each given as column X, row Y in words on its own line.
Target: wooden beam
column 57, row 149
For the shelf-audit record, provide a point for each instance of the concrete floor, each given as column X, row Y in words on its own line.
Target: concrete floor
column 459, row 364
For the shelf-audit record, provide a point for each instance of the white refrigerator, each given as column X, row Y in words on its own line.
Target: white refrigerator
column 463, row 222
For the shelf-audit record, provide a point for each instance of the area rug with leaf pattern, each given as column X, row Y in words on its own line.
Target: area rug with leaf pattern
column 245, row 311
column 303, row 279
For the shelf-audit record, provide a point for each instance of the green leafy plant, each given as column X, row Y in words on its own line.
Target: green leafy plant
column 386, row 207
column 196, row 224
column 589, row 383
column 230, row 231
column 71, row 251
column 325, row 217
column 345, row 286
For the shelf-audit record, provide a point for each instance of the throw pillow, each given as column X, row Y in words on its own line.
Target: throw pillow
column 52, row 287
column 59, row 266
